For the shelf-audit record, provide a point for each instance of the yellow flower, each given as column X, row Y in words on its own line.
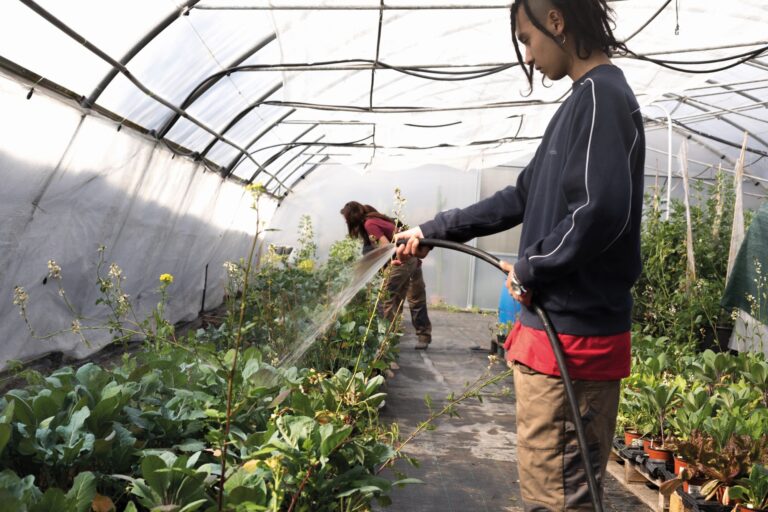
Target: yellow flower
column 166, row 278
column 251, row 466
column 274, row 463
column 306, row 265
column 256, row 190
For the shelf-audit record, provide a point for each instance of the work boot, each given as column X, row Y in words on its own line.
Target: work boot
column 423, row 344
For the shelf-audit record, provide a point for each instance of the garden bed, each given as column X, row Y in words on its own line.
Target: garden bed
column 211, row 420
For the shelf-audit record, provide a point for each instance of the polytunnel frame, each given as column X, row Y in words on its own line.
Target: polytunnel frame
column 245, row 153
column 122, row 69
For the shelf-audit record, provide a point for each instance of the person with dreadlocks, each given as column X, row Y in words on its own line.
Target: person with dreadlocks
column 403, row 281
column 579, row 201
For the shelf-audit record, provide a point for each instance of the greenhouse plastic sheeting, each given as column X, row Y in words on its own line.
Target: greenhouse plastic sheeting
column 326, row 49
column 747, row 288
column 71, row 183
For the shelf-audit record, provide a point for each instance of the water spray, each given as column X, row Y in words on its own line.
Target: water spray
column 557, row 348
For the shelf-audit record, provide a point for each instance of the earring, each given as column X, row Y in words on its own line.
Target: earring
column 562, row 41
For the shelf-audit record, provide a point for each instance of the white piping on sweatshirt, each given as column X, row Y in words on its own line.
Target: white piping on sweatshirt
column 586, row 178
column 629, row 172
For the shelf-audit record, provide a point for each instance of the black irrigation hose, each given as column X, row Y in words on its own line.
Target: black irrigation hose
column 557, row 348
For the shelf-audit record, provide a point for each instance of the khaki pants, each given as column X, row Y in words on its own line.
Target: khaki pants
column 552, row 476
column 407, row 281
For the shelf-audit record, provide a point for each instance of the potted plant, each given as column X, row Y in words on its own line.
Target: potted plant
column 696, row 406
column 630, row 417
column 660, row 398
column 723, row 455
column 752, row 491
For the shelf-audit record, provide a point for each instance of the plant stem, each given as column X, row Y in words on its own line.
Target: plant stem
column 471, row 390
column 233, row 370
column 301, row 488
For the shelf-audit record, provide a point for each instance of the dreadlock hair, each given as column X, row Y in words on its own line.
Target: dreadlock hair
column 589, row 22
column 356, row 214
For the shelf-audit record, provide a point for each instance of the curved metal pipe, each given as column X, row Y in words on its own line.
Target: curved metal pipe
column 557, row 348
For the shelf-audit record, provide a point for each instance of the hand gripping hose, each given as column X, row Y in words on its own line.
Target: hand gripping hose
column 557, row 348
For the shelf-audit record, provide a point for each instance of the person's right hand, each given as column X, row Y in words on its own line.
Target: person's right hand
column 510, row 270
column 411, row 247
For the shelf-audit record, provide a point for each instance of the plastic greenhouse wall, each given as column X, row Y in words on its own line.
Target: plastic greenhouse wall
column 70, row 182
column 427, row 190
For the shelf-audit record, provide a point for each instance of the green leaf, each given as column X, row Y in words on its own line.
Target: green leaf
column 53, row 499
column 373, row 384
column 155, row 473
column 191, row 488
column 194, row 505
column 295, row 428
column 44, row 407
column 5, row 435
column 243, row 494
column 23, row 489
column 103, row 413
column 406, row 481
column 302, row 405
column 8, row 413
column 22, row 410
column 71, row 432
column 130, row 507
column 330, row 438
column 83, row 490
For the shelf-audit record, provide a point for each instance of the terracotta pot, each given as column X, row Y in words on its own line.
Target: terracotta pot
column 722, row 495
column 646, row 444
column 629, row 438
column 680, row 463
column 658, row 453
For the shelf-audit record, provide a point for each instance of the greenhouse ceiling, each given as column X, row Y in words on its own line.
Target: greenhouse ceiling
column 267, row 92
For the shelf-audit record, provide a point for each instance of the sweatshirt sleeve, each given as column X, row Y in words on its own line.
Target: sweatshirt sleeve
column 596, row 186
column 501, row 211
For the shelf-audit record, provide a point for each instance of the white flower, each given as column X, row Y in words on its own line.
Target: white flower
column 122, row 303
column 54, row 270
column 20, row 296
column 115, row 272
column 232, row 269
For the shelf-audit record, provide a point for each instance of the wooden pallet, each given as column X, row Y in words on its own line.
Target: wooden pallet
column 638, row 481
column 676, row 504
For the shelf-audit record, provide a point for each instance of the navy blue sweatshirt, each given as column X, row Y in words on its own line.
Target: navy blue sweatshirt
column 580, row 202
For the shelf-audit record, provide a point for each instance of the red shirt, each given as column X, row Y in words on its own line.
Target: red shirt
column 378, row 228
column 587, row 357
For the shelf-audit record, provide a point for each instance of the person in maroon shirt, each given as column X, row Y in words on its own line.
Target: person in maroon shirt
column 580, row 204
column 403, row 281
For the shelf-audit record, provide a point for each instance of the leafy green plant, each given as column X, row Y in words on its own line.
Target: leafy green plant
column 170, row 483
column 660, row 398
column 696, row 406
column 752, row 491
column 666, row 303
column 21, row 494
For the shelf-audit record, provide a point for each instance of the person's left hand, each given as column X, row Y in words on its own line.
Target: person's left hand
column 411, row 247
column 524, row 299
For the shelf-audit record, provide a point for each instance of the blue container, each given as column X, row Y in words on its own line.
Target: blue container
column 508, row 307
